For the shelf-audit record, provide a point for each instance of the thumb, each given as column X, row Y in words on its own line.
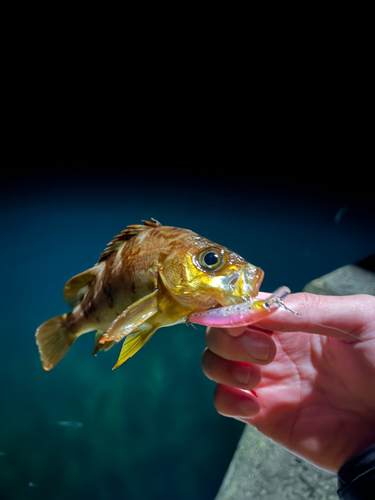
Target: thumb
column 346, row 317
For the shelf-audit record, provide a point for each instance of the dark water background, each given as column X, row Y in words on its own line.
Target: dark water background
column 149, row 429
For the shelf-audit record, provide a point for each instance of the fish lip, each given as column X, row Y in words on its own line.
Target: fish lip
column 232, row 299
column 259, row 278
column 253, row 278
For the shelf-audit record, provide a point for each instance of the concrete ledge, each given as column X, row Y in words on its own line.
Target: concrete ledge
column 261, row 468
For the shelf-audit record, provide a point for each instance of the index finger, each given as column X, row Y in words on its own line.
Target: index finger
column 347, row 317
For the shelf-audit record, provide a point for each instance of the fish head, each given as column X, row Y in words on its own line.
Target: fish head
column 211, row 274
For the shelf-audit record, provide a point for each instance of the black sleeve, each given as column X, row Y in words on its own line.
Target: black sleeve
column 356, row 478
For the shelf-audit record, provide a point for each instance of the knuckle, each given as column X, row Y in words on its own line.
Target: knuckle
column 217, row 399
column 207, row 362
column 214, row 339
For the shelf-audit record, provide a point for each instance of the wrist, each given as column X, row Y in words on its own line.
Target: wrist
column 357, row 474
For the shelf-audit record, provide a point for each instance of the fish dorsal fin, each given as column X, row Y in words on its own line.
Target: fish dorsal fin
column 76, row 288
column 125, row 235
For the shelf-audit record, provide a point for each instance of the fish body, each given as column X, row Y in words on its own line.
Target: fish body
column 148, row 277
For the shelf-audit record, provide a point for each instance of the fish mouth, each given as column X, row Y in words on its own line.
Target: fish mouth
column 241, row 286
column 258, row 281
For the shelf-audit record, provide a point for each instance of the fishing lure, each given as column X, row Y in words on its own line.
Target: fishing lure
column 251, row 311
column 243, row 314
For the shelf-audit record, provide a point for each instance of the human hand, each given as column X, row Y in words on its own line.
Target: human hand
column 315, row 394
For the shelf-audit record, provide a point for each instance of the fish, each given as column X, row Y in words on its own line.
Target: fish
column 149, row 276
column 69, row 423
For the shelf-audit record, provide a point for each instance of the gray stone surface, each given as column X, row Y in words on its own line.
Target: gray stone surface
column 262, row 469
column 347, row 280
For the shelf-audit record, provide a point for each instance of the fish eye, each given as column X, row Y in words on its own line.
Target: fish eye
column 211, row 259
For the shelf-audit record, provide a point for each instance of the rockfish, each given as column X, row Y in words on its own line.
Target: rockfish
column 148, row 277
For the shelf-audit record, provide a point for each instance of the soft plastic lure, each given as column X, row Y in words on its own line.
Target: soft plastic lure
column 243, row 314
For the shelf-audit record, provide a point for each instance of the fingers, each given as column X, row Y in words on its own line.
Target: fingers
column 231, row 373
column 232, row 402
column 227, row 362
column 253, row 346
column 343, row 317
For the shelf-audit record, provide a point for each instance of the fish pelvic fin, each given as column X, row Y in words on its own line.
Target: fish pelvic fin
column 99, row 346
column 130, row 319
column 54, row 341
column 133, row 343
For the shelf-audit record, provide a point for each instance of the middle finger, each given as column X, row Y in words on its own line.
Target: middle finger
column 232, row 373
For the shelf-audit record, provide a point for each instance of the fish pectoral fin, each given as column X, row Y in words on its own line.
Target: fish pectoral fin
column 131, row 318
column 133, row 343
column 76, row 288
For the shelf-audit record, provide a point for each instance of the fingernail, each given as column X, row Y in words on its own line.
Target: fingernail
column 242, row 373
column 257, row 348
column 246, row 408
column 235, row 332
column 257, row 329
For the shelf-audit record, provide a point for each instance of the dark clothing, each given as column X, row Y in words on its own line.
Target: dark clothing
column 356, row 478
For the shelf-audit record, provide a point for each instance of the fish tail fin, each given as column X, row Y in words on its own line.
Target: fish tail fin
column 54, row 340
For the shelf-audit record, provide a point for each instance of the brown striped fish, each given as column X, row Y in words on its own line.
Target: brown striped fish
column 148, row 277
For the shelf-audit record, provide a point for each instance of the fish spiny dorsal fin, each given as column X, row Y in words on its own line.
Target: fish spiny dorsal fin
column 125, row 235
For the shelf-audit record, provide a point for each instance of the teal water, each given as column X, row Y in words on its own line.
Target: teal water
column 148, row 430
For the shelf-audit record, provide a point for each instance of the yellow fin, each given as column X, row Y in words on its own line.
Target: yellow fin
column 133, row 343
column 131, row 318
column 76, row 288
